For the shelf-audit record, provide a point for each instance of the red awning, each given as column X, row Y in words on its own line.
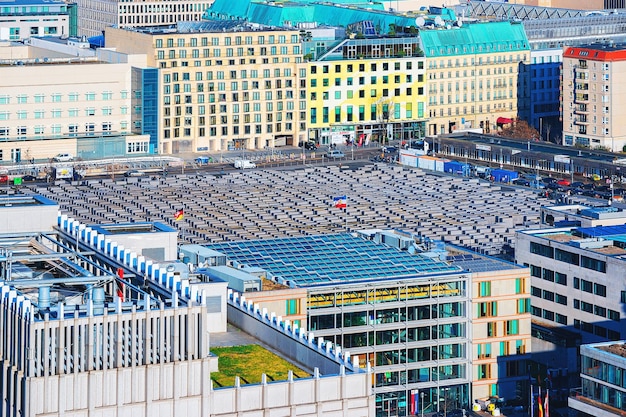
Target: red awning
column 503, row 121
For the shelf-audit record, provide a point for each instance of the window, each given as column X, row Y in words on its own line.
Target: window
column 484, row 371
column 520, row 285
column 523, row 305
column 593, row 264
column 90, row 96
column 484, row 289
column 599, row 289
column 599, row 311
column 543, row 250
column 483, row 350
column 560, row 278
column 587, row 286
column 577, row 283
column 512, row 327
column 488, row 309
column 560, row 318
column 561, row 299
column 492, row 329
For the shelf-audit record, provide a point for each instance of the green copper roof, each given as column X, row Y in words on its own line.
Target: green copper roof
column 474, row 38
column 290, row 13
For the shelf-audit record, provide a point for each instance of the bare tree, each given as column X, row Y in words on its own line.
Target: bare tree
column 384, row 114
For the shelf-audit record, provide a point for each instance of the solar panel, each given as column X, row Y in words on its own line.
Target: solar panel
column 315, row 260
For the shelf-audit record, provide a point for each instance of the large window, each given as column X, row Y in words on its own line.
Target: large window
column 565, row 256
column 594, row 264
column 542, row 250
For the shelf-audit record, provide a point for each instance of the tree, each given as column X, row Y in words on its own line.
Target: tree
column 520, row 129
column 384, row 113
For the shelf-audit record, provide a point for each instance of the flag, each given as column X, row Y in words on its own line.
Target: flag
column 545, row 405
column 179, row 214
column 539, row 405
column 341, row 201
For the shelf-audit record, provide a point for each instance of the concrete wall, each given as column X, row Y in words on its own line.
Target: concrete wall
column 305, row 350
column 27, row 218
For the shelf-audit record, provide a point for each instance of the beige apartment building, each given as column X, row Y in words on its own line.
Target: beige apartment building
column 96, row 15
column 473, row 75
column 594, row 95
column 79, row 105
column 501, row 331
column 223, row 89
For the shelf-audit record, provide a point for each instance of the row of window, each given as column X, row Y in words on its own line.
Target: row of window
column 420, row 354
column 568, row 257
column 373, row 80
column 483, row 350
column 511, row 327
column 548, row 295
column 511, row 369
column 411, row 376
column 603, row 371
column 404, row 335
column 597, row 310
column 58, row 113
column 58, row 97
column 228, row 52
column 373, row 67
column 498, row 59
column 387, row 315
column 235, row 98
column 215, row 41
column 596, row 329
column 225, row 130
column 232, row 75
column 57, row 129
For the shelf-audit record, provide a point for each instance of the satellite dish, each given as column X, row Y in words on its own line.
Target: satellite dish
column 438, row 21
column 448, row 26
column 420, row 22
column 459, row 23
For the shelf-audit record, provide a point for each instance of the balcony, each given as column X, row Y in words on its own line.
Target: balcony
column 581, row 121
column 581, row 99
column 581, row 110
column 592, row 407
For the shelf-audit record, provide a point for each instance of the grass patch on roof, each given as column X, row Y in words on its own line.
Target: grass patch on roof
column 250, row 362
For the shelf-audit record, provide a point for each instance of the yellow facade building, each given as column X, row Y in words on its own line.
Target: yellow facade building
column 373, row 90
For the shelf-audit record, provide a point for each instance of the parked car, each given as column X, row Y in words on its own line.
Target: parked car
column 335, row 154
column 244, row 164
column 4, row 178
column 577, row 184
column 203, row 160
column 134, row 173
column 29, row 178
column 63, row 157
column 521, row 181
column 563, row 182
column 389, row 149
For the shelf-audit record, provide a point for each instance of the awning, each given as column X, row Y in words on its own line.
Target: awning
column 503, row 121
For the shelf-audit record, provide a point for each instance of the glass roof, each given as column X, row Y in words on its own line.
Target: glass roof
column 325, row 259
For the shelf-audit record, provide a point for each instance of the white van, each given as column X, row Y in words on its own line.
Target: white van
column 243, row 164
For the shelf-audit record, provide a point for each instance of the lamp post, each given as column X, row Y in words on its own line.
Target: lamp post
column 537, row 176
column 422, row 397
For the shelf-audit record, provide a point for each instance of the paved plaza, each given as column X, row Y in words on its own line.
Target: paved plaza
column 258, row 204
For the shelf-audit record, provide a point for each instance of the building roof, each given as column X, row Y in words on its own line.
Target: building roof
column 338, row 13
column 23, row 3
column 606, row 240
column 475, row 38
column 331, row 259
column 597, row 52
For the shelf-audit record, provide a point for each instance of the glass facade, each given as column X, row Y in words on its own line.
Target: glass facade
column 603, row 374
column 414, row 333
